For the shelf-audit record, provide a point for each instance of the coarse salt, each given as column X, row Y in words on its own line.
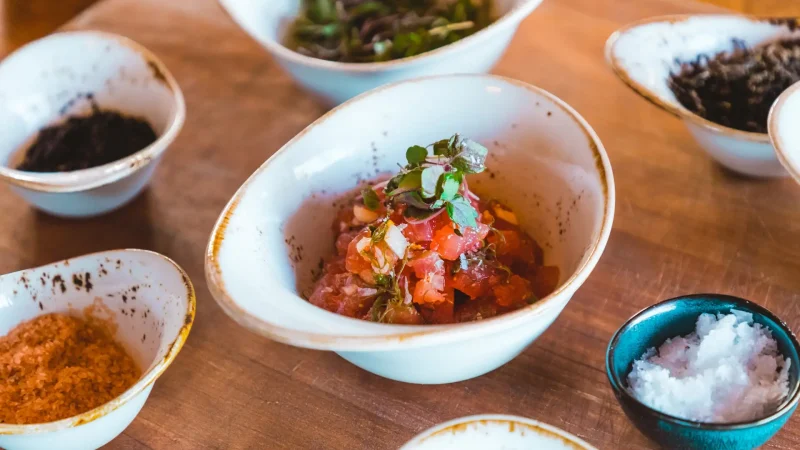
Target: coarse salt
column 727, row 370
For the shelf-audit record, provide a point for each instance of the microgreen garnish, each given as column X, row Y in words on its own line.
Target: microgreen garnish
column 462, row 213
column 429, row 183
column 371, row 200
column 372, row 30
column 416, row 154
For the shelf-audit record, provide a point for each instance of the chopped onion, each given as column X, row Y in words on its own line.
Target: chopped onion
column 395, row 240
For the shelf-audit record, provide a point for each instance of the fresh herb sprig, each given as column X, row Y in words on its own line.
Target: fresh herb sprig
column 433, row 180
column 373, row 31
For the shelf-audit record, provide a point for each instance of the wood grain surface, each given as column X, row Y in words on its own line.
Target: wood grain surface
column 683, row 225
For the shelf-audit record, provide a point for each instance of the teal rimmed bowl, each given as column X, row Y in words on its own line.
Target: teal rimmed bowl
column 655, row 324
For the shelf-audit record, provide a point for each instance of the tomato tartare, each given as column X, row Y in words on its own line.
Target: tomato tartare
column 421, row 248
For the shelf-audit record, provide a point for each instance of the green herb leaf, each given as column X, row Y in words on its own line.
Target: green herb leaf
column 462, row 213
column 471, row 157
column 322, row 10
column 430, row 180
column 450, row 184
column 371, row 200
column 442, row 148
column 409, row 181
column 412, row 198
column 416, row 154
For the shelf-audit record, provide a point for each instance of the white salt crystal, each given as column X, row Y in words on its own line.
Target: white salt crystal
column 727, row 370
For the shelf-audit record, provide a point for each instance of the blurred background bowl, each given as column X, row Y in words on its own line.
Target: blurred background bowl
column 47, row 80
column 267, row 21
column 495, row 431
column 644, row 54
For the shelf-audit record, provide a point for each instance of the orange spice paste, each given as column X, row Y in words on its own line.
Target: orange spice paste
column 57, row 366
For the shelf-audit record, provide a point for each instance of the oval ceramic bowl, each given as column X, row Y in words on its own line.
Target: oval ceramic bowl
column 145, row 297
column 267, row 21
column 48, row 79
column 545, row 162
column 495, row 432
column 784, row 132
column 654, row 325
column 644, row 54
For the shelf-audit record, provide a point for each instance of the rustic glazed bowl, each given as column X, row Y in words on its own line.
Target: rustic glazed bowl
column 495, row 431
column 47, row 80
column 645, row 53
column 678, row 316
column 545, row 162
column 268, row 21
column 784, row 131
column 145, row 297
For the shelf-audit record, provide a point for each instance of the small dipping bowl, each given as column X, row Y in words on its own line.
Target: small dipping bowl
column 677, row 317
column 644, row 54
column 48, row 80
column 495, row 431
column 149, row 305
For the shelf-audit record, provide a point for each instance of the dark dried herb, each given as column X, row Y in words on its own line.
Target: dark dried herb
column 372, row 31
column 83, row 142
column 737, row 89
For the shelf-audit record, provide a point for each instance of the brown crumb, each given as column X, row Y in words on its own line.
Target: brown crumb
column 57, row 366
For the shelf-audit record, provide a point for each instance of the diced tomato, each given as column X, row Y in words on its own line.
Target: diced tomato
column 402, row 314
column 476, row 281
column 343, row 242
column 481, row 308
column 515, row 292
column 441, row 312
column 514, row 244
column 425, row 263
column 429, row 290
column 450, row 246
column 343, row 294
column 354, row 261
column 545, row 281
column 423, row 232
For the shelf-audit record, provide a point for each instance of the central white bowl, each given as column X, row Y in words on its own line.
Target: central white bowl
column 545, row 162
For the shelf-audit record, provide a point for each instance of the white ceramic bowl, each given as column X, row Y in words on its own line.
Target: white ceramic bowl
column 495, row 432
column 147, row 296
column 784, row 131
column 267, row 21
column 43, row 82
column 645, row 53
column 545, row 162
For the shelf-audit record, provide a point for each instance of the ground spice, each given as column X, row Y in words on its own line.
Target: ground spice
column 737, row 89
column 57, row 366
column 82, row 142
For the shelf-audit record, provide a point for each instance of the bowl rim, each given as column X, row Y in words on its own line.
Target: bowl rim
column 94, row 177
column 781, row 149
column 145, row 380
column 408, row 336
column 617, row 385
column 676, row 109
column 537, row 426
column 518, row 12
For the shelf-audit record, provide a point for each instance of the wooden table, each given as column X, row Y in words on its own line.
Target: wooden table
column 683, row 225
